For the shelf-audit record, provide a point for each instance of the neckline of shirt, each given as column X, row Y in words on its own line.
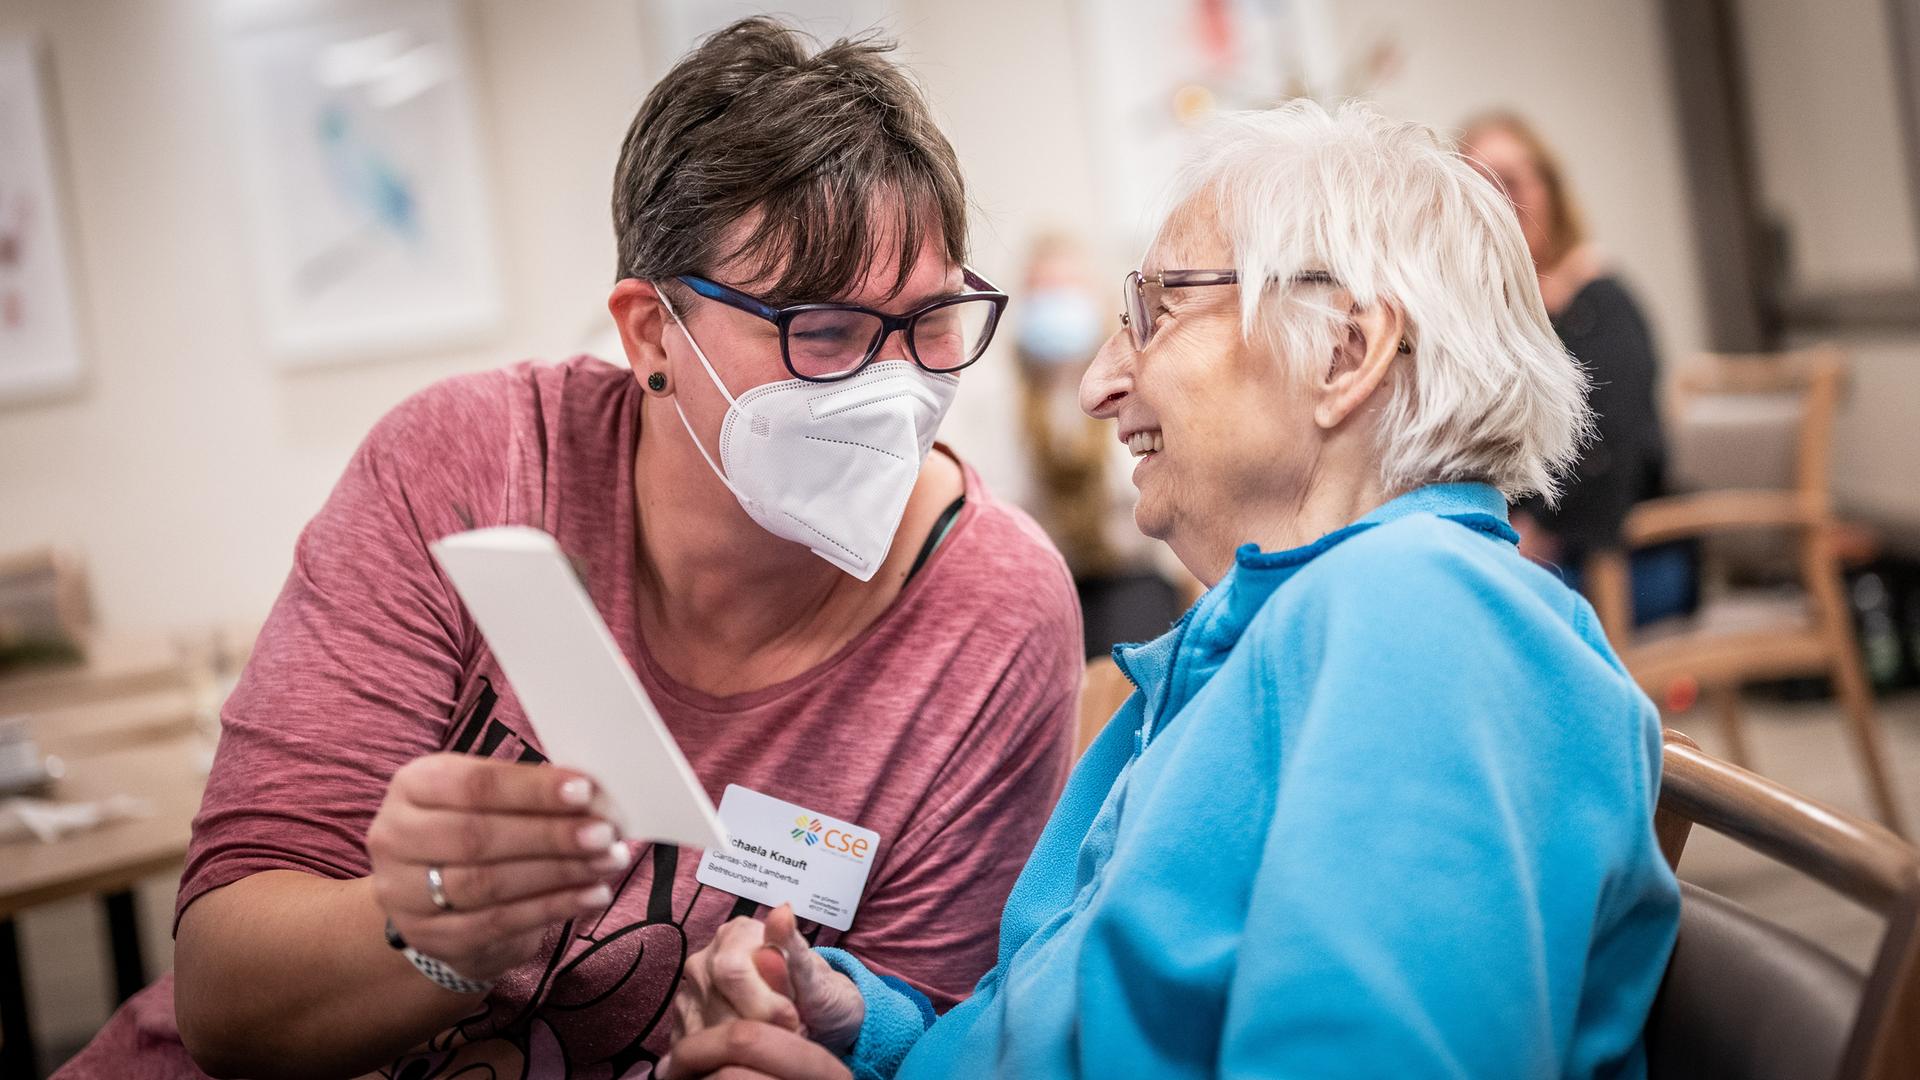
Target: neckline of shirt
column 662, row 683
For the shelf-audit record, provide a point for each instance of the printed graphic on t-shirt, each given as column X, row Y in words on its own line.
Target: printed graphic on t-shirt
column 595, row 1005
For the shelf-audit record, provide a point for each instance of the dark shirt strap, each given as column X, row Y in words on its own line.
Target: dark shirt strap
column 938, row 534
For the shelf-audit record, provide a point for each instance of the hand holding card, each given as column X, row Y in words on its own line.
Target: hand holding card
column 586, row 706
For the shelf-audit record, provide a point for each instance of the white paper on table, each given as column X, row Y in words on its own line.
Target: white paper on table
column 48, row 821
column 583, row 700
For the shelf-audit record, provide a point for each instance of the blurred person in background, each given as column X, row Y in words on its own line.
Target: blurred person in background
column 1335, row 833
column 1604, row 328
column 1081, row 493
column 826, row 606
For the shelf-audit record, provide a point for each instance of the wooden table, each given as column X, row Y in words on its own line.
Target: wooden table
column 170, row 773
column 116, row 666
column 81, row 731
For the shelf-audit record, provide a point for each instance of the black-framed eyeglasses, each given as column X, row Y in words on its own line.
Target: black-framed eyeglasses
column 829, row 342
column 1141, row 294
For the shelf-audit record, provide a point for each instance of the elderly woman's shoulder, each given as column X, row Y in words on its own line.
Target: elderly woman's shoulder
column 1429, row 594
column 1427, row 567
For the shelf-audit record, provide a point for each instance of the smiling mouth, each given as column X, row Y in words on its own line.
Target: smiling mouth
column 1142, row 443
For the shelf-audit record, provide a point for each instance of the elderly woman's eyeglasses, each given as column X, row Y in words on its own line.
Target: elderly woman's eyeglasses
column 1142, row 294
column 830, row 342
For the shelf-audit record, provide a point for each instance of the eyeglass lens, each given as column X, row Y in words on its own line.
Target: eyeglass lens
column 829, row 342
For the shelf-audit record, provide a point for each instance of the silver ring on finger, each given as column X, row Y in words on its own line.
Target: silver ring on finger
column 437, row 889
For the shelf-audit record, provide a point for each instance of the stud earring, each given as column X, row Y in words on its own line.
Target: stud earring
column 657, row 382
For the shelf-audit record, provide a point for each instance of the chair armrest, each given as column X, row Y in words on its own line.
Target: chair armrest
column 1859, row 859
column 1608, row 583
column 1700, row 513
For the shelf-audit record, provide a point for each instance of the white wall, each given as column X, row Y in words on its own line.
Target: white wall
column 1827, row 141
column 1593, row 79
column 187, row 466
column 1833, row 166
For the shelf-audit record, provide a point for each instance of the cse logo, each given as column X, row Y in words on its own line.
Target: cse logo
column 811, row 831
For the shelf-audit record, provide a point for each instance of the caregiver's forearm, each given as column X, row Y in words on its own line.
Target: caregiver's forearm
column 288, row 975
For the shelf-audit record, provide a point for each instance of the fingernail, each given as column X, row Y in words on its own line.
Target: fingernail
column 577, row 791
column 617, row 858
column 664, row 1070
column 598, row 896
column 595, row 837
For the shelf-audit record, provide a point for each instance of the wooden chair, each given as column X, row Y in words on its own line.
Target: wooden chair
column 1102, row 692
column 1734, row 640
column 1747, row 1000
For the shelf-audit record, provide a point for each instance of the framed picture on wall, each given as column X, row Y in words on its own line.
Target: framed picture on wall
column 1155, row 70
column 40, row 351
column 360, row 143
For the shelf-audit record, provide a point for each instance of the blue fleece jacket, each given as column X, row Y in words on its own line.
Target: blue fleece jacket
column 1383, row 805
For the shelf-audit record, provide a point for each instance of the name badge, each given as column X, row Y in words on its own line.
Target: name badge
column 782, row 853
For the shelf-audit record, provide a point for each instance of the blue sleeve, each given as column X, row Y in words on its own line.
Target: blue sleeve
column 897, row 1015
column 1452, row 809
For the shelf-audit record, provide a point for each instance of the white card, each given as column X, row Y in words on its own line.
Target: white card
column 779, row 852
column 583, row 700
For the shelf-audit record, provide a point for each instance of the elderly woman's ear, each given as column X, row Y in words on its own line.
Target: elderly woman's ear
column 1373, row 338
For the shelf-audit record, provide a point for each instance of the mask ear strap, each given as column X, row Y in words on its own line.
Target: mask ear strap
column 737, row 493
column 684, row 422
column 697, row 350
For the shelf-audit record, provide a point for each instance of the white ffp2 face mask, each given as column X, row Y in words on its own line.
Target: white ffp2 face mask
column 828, row 465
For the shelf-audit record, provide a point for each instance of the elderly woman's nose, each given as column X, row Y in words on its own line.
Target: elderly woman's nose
column 1108, row 379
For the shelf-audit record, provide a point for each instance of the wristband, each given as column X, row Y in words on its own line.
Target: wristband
column 438, row 971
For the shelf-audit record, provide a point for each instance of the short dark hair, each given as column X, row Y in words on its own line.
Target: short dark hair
column 834, row 152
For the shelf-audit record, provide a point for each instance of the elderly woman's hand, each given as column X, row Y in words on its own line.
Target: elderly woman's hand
column 750, row 1050
column 767, row 973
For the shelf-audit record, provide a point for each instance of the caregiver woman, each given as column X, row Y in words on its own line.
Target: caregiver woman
column 828, row 608
column 1383, row 804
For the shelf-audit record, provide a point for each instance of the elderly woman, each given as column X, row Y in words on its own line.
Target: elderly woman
column 1383, row 803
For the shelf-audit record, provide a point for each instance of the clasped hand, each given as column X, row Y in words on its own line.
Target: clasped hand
column 758, row 1002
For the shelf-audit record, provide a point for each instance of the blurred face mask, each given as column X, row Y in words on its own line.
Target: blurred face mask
column 1059, row 326
column 828, row 465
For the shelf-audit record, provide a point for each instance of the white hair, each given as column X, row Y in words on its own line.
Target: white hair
column 1396, row 217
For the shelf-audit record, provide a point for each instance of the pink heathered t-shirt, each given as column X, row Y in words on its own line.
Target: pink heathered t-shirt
column 945, row 726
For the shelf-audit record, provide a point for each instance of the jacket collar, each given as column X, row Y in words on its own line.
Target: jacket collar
column 1199, row 642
